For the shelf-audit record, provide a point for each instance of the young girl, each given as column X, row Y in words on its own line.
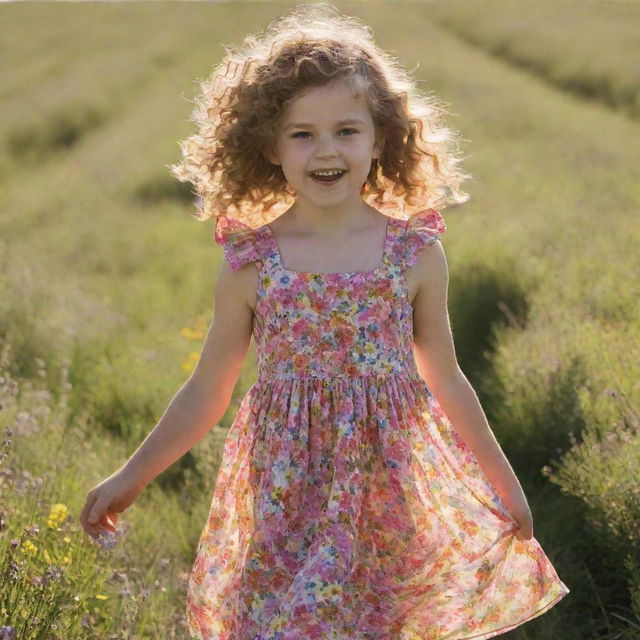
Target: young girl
column 361, row 494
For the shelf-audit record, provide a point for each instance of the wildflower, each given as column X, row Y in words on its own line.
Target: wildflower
column 7, row 438
column 47, row 557
column 52, row 573
column 108, row 539
column 8, row 633
column 14, row 570
column 191, row 334
column 57, row 515
column 189, row 364
column 29, row 548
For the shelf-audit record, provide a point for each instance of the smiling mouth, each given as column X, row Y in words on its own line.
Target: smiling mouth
column 327, row 177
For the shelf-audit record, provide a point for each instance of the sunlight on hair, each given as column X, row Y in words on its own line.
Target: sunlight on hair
column 242, row 102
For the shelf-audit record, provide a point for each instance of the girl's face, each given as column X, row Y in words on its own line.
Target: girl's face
column 326, row 128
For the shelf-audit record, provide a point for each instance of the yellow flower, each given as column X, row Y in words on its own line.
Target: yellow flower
column 191, row 334
column 66, row 560
column 29, row 548
column 57, row 515
column 66, row 539
column 101, row 597
column 60, row 509
column 189, row 364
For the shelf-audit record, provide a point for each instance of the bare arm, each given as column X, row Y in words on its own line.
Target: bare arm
column 205, row 396
column 438, row 366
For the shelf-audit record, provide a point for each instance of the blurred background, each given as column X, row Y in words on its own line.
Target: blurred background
column 107, row 283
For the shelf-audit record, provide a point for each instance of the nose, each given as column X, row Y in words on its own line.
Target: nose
column 326, row 148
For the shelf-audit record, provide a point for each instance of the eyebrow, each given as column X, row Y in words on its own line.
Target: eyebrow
column 303, row 125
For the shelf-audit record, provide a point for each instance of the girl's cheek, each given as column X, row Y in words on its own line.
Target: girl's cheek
column 300, row 153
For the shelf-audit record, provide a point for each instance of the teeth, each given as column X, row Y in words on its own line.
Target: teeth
column 328, row 173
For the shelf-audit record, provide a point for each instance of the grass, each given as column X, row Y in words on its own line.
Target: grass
column 107, row 284
column 580, row 46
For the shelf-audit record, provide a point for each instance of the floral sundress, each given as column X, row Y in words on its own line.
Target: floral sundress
column 346, row 505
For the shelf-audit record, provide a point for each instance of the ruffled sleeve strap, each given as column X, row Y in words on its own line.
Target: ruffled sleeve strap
column 423, row 229
column 242, row 244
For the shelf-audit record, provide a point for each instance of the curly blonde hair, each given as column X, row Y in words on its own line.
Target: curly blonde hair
column 243, row 100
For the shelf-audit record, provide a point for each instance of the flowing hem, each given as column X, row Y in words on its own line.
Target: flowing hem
column 538, row 612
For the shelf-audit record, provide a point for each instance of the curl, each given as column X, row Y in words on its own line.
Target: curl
column 242, row 101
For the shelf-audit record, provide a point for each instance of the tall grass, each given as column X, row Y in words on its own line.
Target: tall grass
column 106, row 286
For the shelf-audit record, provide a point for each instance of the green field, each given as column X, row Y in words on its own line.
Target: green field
column 590, row 48
column 107, row 281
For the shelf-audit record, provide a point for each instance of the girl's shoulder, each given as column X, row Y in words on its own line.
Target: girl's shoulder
column 422, row 229
column 241, row 243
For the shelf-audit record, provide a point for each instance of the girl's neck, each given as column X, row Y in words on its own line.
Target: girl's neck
column 326, row 222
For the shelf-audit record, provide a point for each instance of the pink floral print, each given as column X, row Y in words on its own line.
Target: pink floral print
column 346, row 506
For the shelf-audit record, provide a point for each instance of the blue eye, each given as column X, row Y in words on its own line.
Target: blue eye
column 306, row 133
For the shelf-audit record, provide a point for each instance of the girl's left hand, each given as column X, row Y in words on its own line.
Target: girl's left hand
column 525, row 523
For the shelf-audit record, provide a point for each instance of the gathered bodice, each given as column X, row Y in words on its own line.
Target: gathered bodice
column 343, row 324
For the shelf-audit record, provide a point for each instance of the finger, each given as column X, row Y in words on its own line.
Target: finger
column 96, row 512
column 88, row 504
column 92, row 529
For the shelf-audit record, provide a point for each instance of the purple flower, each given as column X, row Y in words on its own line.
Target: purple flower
column 53, row 573
column 7, row 633
column 108, row 539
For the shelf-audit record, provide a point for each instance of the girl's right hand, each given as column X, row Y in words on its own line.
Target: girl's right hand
column 106, row 500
